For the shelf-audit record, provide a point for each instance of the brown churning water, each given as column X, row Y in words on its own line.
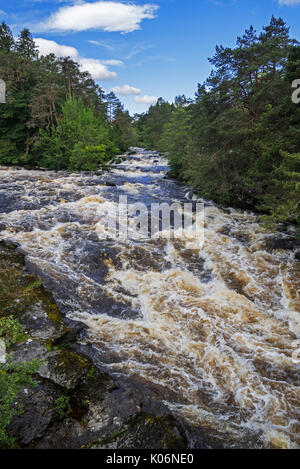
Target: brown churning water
column 213, row 329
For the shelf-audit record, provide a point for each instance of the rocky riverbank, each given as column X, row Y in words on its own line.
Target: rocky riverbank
column 73, row 403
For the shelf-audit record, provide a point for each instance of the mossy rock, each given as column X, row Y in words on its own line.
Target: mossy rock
column 145, row 432
column 23, row 296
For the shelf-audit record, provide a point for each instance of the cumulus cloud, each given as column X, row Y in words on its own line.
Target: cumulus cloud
column 51, row 47
column 97, row 68
column 104, row 15
column 126, row 90
column 146, row 99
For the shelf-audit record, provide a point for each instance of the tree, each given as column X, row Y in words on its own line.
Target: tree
column 25, row 45
column 238, row 143
column 150, row 126
column 81, row 141
column 36, row 122
column 6, row 39
column 112, row 105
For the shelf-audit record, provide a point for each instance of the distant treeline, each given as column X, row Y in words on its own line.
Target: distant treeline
column 238, row 141
column 56, row 116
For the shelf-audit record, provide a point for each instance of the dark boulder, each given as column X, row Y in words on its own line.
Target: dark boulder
column 38, row 411
column 287, row 243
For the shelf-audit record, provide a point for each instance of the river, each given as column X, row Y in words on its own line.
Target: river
column 212, row 329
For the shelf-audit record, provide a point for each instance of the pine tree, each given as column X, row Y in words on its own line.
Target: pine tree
column 6, row 39
column 25, row 45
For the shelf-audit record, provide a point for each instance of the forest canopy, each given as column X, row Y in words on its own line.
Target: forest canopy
column 55, row 115
column 238, row 141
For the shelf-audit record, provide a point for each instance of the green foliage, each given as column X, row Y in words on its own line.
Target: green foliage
column 283, row 199
column 36, row 284
column 80, row 141
column 238, row 142
column 52, row 106
column 12, row 377
column 11, row 330
column 63, row 406
column 87, row 158
column 150, row 125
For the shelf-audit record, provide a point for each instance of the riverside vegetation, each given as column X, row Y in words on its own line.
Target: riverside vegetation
column 56, row 116
column 238, row 141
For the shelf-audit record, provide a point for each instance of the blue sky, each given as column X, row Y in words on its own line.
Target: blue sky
column 144, row 49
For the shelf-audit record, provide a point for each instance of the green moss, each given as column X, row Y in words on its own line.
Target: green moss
column 69, row 360
column 19, row 290
column 36, row 284
column 150, row 420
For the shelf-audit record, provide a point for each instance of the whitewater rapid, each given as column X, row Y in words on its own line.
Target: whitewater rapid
column 211, row 328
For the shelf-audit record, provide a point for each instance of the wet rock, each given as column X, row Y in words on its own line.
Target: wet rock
column 2, row 227
column 225, row 230
column 297, row 256
column 70, row 434
column 146, row 432
column 110, row 184
column 38, row 411
column 39, row 325
column 119, row 415
column 62, row 367
column 74, row 331
column 287, row 243
column 241, row 236
column 10, row 254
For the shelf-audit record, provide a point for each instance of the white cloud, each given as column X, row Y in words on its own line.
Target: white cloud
column 113, row 62
column 126, row 90
column 97, row 68
column 104, row 15
column 101, row 44
column 146, row 99
column 289, row 2
column 51, row 47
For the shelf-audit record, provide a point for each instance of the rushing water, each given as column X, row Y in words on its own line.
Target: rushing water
column 212, row 329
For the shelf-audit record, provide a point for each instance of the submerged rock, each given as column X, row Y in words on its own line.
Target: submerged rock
column 288, row 243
